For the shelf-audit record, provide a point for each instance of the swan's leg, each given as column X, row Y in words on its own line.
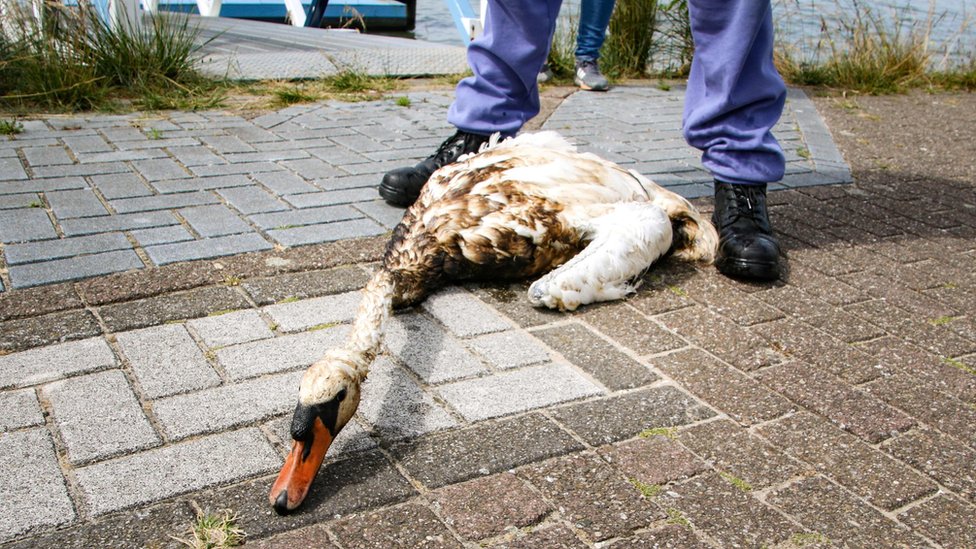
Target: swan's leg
column 624, row 240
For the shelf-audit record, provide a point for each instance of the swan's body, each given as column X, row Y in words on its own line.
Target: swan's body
column 520, row 208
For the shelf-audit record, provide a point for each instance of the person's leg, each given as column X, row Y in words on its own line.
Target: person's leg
column 506, row 59
column 594, row 18
column 500, row 97
column 735, row 96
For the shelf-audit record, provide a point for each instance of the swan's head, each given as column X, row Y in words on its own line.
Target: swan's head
column 327, row 399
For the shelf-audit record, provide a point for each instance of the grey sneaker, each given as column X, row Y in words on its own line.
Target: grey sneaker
column 545, row 74
column 589, row 77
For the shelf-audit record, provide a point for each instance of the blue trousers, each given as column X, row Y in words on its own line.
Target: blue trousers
column 594, row 17
column 734, row 98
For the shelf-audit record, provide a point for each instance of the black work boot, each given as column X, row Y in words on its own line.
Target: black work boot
column 747, row 248
column 401, row 187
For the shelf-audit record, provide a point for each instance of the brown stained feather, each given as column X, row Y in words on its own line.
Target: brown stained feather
column 469, row 235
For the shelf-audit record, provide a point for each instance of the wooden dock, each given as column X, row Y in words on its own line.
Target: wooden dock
column 376, row 14
column 255, row 50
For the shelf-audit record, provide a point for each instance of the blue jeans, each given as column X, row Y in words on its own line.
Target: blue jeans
column 594, row 17
column 734, row 98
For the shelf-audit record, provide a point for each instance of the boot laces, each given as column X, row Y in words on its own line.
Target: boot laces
column 748, row 205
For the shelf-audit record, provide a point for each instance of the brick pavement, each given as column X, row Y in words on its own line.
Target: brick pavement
column 834, row 408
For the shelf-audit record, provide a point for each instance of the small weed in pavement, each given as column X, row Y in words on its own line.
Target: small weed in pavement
column 960, row 365
column 677, row 517
column 403, row 101
column 667, row 432
column 646, row 490
column 214, row 531
column 10, row 127
column 736, row 481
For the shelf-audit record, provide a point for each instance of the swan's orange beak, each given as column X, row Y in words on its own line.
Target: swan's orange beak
column 301, row 465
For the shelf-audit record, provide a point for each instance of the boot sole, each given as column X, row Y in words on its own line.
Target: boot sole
column 395, row 196
column 749, row 270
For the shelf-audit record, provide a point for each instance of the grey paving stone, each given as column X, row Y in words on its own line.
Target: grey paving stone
column 166, row 360
column 23, row 200
column 226, row 143
column 231, row 328
column 176, row 469
column 162, row 202
column 331, row 198
column 202, row 183
column 25, row 224
column 54, row 362
column 122, row 156
column 266, row 156
column 87, row 144
column 517, row 391
column 34, row 492
column 124, row 133
column 98, row 416
column 381, row 212
column 160, row 169
column 19, row 409
column 458, row 455
column 252, row 134
column 73, row 268
column 11, row 169
column 216, row 220
column 227, row 406
column 509, row 349
column 252, row 200
column 312, row 168
column 125, row 222
column 195, row 156
column 120, row 185
column 329, row 232
column 147, row 527
column 395, row 405
column 161, row 235
column 621, row 416
column 42, row 185
column 46, row 250
column 428, row 350
column 464, row 314
column 46, row 156
column 348, row 182
column 220, row 246
column 279, row 353
column 68, row 170
column 336, row 155
column 234, row 169
column 292, row 218
column 300, row 315
column 282, row 183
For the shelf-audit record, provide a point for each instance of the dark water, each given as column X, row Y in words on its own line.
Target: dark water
column 798, row 21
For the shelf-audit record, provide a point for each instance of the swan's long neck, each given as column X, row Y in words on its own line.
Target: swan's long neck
column 349, row 363
column 369, row 325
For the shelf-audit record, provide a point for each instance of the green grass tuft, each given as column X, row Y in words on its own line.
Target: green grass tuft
column 677, row 517
column 74, row 60
column 214, row 531
column 667, row 432
column 403, row 101
column 646, row 490
column 960, row 365
column 736, row 481
column 10, row 127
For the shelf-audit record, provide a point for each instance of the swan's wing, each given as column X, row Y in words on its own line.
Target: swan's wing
column 624, row 240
